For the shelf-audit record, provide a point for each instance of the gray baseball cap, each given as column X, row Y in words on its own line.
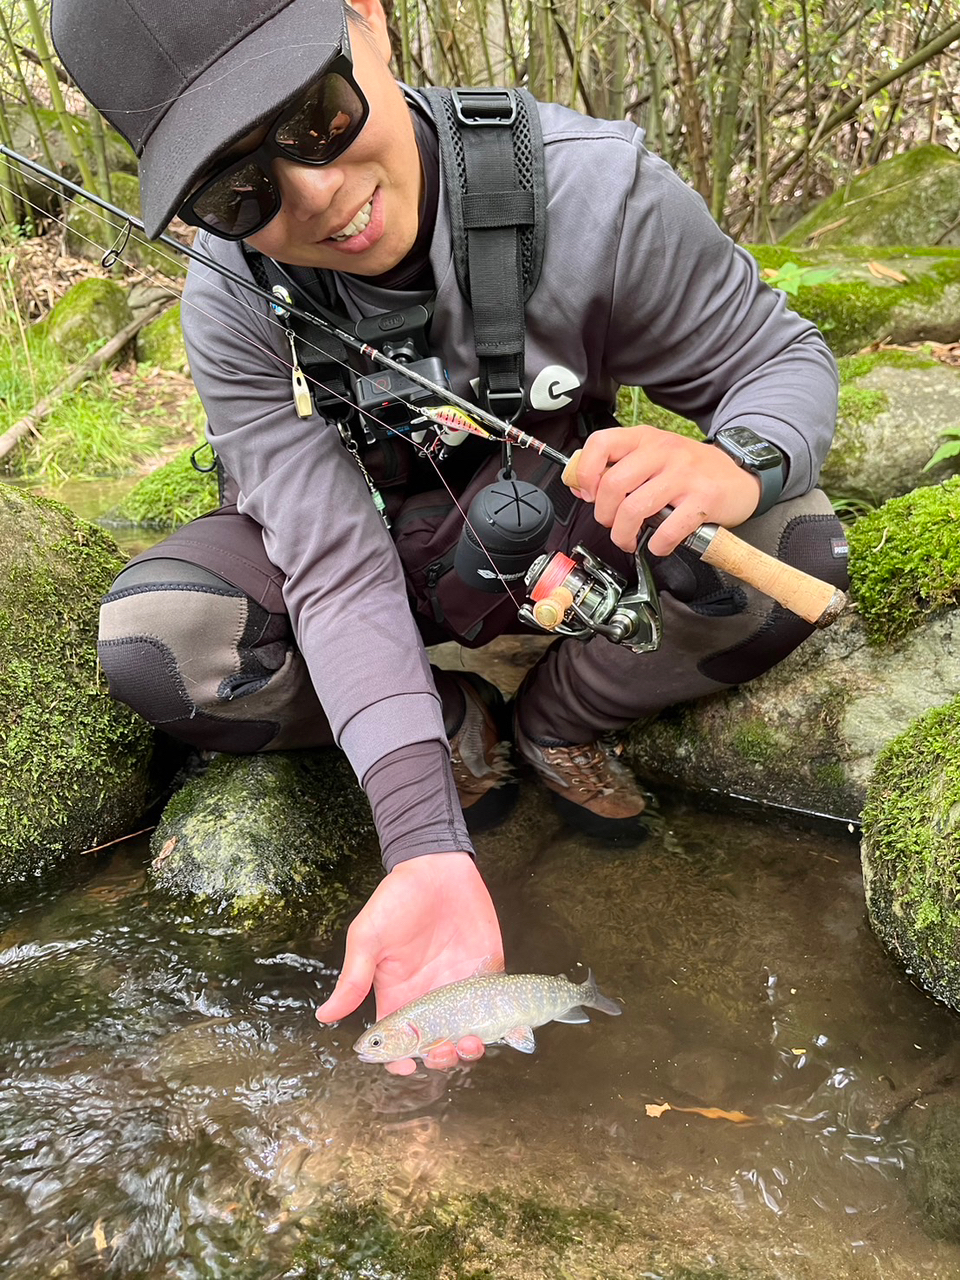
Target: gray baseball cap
column 183, row 80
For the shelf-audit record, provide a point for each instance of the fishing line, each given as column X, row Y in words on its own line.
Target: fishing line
column 271, row 318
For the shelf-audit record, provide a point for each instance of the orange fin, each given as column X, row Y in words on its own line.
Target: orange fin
column 489, row 964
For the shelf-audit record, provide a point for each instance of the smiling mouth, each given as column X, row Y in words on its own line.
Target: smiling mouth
column 358, row 223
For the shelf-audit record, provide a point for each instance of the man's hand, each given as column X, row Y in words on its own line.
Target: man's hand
column 628, row 473
column 429, row 922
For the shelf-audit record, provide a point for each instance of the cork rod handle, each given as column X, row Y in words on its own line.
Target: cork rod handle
column 818, row 602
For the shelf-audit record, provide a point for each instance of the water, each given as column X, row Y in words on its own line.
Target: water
column 170, row 1108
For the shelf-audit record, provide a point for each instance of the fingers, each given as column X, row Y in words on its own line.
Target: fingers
column 354, row 983
column 403, row 1067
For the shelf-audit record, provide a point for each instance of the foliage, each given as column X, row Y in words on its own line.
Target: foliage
column 905, row 559
column 949, row 449
column 791, row 277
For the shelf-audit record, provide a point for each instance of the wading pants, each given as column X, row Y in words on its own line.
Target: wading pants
column 194, row 635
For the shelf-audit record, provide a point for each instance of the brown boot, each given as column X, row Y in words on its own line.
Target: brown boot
column 480, row 754
column 591, row 788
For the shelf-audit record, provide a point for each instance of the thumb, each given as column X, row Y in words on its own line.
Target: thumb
column 353, row 985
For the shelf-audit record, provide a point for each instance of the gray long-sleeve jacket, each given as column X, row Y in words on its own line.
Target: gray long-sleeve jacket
column 638, row 287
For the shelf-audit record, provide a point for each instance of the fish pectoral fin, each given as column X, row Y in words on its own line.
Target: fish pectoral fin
column 489, row 964
column 521, row 1038
column 576, row 1014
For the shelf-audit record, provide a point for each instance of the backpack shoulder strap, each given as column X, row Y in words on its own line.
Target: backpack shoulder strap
column 492, row 152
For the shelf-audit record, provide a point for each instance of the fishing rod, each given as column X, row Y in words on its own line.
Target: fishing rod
column 574, row 595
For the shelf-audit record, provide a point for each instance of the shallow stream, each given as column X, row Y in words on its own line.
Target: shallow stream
column 170, row 1108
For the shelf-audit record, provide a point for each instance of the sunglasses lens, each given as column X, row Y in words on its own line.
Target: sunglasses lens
column 328, row 119
column 238, row 202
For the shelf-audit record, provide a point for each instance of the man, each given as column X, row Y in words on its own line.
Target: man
column 284, row 620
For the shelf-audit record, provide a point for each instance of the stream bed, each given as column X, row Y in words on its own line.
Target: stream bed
column 170, row 1108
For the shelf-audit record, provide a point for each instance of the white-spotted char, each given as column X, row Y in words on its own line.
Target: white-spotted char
column 497, row 1007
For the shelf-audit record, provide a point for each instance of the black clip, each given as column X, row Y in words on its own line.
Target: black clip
column 484, row 106
column 113, row 253
column 196, row 465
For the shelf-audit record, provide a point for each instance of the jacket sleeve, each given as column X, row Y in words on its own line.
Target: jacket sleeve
column 693, row 324
column 344, row 590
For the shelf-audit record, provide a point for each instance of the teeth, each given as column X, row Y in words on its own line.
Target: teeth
column 358, row 224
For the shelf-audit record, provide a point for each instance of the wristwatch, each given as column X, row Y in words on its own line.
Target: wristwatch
column 763, row 459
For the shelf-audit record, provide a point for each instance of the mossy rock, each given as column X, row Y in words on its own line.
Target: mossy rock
column 91, row 232
column 905, row 560
column 894, row 409
column 161, row 342
column 911, row 199
column 87, row 316
column 634, row 406
column 284, row 833
column 911, row 851
column 168, row 497
column 857, row 305
column 74, row 764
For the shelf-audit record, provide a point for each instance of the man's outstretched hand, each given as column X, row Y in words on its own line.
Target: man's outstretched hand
column 429, row 922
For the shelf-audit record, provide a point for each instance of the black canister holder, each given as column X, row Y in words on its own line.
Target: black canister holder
column 507, row 527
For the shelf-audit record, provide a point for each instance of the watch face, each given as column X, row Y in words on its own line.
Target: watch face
column 746, row 444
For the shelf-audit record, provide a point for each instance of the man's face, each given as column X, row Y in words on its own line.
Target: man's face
column 360, row 213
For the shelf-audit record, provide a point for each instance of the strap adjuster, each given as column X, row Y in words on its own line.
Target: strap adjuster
column 484, row 106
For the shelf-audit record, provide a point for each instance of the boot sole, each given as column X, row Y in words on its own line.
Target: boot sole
column 610, row 831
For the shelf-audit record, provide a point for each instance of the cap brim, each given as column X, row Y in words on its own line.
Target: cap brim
column 248, row 85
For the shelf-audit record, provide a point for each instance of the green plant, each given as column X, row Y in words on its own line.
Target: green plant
column 791, row 278
column 949, row 449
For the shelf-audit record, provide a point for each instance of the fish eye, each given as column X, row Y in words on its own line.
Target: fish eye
column 375, row 1042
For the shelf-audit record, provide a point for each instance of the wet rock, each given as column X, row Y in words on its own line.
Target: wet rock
column 857, row 305
column 161, row 342
column 74, row 765
column 86, row 317
column 282, row 833
column 806, row 736
column 911, row 199
column 894, row 408
column 911, row 851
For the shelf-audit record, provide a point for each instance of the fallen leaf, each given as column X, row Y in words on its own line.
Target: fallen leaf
column 822, row 231
column 166, row 851
column 656, row 1110
column 883, row 272
column 798, row 1052
column 99, row 1236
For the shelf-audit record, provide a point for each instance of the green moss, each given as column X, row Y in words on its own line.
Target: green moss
column 634, row 406
column 911, row 826
column 858, row 405
column 905, row 559
column 72, row 761
column 466, row 1238
column 756, row 742
column 850, row 368
column 170, row 496
column 161, row 342
column 86, row 317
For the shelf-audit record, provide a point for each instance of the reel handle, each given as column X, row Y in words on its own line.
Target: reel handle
column 810, row 598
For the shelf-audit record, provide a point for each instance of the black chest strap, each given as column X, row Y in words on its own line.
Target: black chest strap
column 491, row 149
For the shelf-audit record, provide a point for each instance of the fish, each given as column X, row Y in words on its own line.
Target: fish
column 499, row 1008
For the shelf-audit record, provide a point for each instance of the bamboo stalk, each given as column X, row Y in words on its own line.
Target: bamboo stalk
column 28, row 97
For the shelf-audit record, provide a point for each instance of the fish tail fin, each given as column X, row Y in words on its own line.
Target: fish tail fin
column 594, row 999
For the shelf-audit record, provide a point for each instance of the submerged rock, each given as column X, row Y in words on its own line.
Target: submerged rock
column 74, row 764
column 933, row 1176
column 283, row 832
column 911, row 850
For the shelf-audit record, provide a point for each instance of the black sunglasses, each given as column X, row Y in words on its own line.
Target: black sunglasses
column 240, row 198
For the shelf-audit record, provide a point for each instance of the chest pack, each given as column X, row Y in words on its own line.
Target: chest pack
column 491, row 158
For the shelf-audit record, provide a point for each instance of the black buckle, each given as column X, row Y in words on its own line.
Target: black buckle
column 513, row 399
column 484, row 106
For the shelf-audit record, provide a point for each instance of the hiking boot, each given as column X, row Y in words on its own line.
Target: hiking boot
column 480, row 754
column 589, row 786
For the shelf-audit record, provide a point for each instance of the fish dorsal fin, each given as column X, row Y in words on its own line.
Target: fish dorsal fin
column 489, row 964
column 521, row 1038
column 576, row 1014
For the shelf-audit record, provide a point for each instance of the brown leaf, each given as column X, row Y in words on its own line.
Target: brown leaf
column 656, row 1110
column 166, row 851
column 883, row 272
